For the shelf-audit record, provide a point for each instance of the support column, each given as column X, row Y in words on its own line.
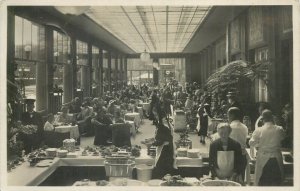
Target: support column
column 140, row 73
column 84, row 81
column 109, row 71
column 227, row 43
column 116, row 73
column 90, row 71
column 10, row 45
column 122, row 72
column 49, row 60
column 69, row 80
column 101, row 72
column 42, row 73
column 125, row 70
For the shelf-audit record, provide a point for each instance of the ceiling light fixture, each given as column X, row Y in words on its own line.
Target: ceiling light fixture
column 145, row 56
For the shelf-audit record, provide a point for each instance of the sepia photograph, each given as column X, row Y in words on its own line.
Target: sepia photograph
column 146, row 96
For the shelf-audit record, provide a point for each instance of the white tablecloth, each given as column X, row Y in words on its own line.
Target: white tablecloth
column 133, row 117
column 140, row 110
column 74, row 131
column 146, row 106
column 132, row 128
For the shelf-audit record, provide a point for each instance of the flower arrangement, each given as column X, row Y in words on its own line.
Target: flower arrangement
column 184, row 141
column 28, row 129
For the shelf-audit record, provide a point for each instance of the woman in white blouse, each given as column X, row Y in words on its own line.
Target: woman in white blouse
column 49, row 123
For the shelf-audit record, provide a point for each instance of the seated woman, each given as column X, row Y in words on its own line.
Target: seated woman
column 225, row 156
column 49, row 123
column 102, row 119
column 118, row 118
column 64, row 117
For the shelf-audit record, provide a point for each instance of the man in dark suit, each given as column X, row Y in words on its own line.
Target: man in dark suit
column 231, row 154
column 31, row 117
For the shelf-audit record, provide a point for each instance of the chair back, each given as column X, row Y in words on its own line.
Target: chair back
column 121, row 134
column 55, row 139
column 101, row 134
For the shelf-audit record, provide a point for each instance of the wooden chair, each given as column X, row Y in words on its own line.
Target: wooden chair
column 121, row 134
column 55, row 139
column 101, row 134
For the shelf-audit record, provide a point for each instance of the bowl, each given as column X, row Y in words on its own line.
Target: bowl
column 219, row 183
column 154, row 182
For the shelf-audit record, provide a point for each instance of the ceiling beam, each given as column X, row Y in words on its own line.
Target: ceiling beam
column 155, row 24
column 135, row 27
column 145, row 24
column 178, row 24
column 212, row 27
column 188, row 27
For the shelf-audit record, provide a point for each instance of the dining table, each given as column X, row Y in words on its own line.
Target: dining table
column 135, row 117
column 132, row 127
column 145, row 106
column 73, row 129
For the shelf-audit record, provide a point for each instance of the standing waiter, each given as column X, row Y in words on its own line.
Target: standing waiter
column 31, row 117
column 269, row 163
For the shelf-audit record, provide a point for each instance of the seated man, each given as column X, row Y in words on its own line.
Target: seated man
column 64, row 117
column 49, row 123
column 75, row 106
column 84, row 118
column 118, row 118
column 225, row 156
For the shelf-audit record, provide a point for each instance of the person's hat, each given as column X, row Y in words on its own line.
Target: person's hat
column 112, row 101
column 29, row 101
column 223, row 125
column 231, row 94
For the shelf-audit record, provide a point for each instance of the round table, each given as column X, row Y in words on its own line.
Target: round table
column 133, row 117
column 73, row 129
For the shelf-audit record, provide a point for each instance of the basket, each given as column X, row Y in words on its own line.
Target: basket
column 219, row 183
column 119, row 166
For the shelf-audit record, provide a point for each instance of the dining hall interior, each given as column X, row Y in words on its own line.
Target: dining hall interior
column 150, row 95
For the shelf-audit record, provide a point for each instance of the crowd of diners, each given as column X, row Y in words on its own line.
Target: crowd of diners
column 227, row 153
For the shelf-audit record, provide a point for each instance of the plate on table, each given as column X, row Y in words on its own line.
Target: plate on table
column 127, row 182
column 44, row 163
column 154, row 182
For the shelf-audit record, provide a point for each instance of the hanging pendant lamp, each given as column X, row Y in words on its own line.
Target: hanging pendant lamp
column 145, row 56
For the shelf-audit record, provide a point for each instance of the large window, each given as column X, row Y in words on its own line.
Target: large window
column 61, row 56
column 105, row 71
column 139, row 72
column 172, row 68
column 95, row 67
column 82, row 63
column 29, row 51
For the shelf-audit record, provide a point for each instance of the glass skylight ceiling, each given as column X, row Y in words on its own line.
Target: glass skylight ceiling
column 154, row 28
